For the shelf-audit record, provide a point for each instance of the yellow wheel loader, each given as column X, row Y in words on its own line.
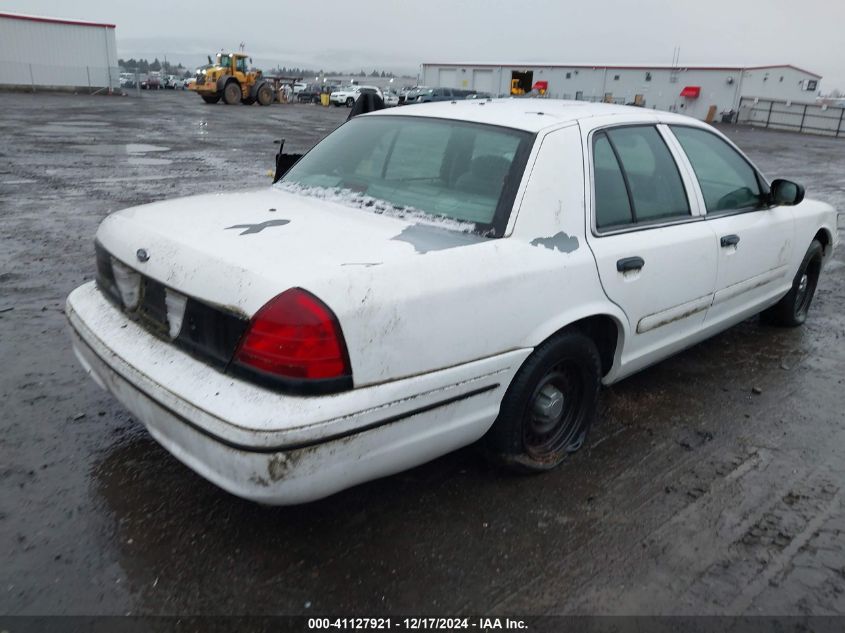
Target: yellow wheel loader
column 227, row 78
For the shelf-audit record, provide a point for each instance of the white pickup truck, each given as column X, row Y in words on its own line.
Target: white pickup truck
column 429, row 277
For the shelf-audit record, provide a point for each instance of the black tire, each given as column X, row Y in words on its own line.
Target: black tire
column 350, row 102
column 210, row 98
column 791, row 310
column 549, row 406
column 232, row 93
column 264, row 96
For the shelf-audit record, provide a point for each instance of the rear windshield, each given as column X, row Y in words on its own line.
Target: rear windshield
column 452, row 170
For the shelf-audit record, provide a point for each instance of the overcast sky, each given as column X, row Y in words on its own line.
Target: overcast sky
column 399, row 35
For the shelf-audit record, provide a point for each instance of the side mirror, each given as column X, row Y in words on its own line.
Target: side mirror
column 786, row 192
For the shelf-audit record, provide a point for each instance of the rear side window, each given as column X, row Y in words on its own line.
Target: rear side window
column 612, row 206
column 727, row 181
column 636, row 178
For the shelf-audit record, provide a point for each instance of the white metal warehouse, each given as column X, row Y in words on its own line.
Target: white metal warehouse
column 698, row 91
column 38, row 52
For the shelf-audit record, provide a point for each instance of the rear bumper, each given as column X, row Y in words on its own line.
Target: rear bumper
column 276, row 448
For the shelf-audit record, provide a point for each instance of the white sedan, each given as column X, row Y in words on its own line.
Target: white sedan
column 424, row 279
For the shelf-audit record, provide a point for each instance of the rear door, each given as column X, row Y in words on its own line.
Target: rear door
column 654, row 253
column 754, row 241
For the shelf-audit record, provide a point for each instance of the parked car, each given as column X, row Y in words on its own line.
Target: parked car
column 150, row 82
column 309, row 94
column 426, row 278
column 349, row 95
column 409, row 95
column 441, row 94
column 298, row 87
column 391, row 99
column 171, row 81
column 127, row 80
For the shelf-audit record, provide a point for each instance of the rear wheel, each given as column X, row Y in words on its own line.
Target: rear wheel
column 549, row 407
column 232, row 93
column 791, row 311
column 264, row 95
column 210, row 98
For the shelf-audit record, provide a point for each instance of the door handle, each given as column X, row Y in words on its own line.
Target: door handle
column 629, row 263
column 729, row 240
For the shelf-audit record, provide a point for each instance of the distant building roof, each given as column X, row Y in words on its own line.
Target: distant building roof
column 621, row 66
column 38, row 18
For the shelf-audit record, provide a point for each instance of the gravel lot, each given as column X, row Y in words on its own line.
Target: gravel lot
column 694, row 495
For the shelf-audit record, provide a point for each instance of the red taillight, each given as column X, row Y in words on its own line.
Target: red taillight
column 295, row 335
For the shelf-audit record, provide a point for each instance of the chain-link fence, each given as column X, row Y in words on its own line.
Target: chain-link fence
column 811, row 118
column 23, row 75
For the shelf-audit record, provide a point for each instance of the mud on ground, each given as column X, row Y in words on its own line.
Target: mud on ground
column 694, row 495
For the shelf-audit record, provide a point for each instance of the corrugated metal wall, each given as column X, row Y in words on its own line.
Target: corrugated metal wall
column 62, row 55
column 656, row 87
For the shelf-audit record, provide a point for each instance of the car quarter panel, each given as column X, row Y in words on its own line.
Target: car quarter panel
column 563, row 285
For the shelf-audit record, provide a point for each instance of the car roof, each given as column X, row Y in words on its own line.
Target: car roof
column 531, row 115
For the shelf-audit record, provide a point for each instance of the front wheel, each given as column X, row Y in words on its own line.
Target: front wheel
column 791, row 311
column 350, row 102
column 549, row 406
column 264, row 96
column 232, row 93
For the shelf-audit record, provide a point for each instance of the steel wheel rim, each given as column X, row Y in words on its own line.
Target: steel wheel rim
column 806, row 288
column 546, row 435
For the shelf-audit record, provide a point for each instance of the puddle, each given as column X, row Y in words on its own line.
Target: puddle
column 140, row 148
column 136, row 153
column 133, row 160
column 135, row 178
column 69, row 128
column 81, row 123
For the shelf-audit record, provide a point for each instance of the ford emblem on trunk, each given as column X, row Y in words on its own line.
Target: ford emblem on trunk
column 142, row 254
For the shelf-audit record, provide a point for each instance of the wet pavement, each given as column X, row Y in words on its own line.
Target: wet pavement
column 711, row 485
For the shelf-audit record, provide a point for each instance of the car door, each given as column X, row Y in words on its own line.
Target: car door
column 754, row 241
column 654, row 253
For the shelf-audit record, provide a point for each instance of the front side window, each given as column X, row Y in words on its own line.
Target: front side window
column 455, row 170
column 728, row 182
column 241, row 64
column 636, row 178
